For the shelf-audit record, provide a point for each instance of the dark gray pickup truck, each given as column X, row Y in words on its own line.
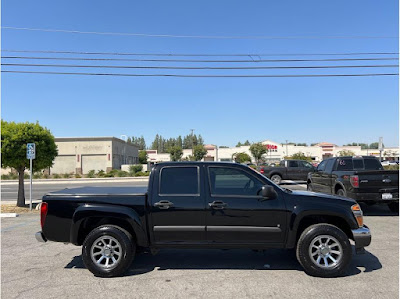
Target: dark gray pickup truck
column 288, row 170
column 204, row 205
column 360, row 178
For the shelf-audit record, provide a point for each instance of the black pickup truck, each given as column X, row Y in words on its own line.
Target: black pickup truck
column 361, row 178
column 203, row 205
column 288, row 170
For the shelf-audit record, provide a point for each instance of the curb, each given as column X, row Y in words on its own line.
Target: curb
column 8, row 215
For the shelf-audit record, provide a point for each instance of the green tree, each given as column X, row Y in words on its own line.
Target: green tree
column 247, row 143
column 138, row 141
column 375, row 145
column 300, row 156
column 223, row 146
column 345, row 152
column 257, row 150
column 14, row 137
column 242, row 158
column 176, row 153
column 199, row 152
column 239, row 144
column 143, row 157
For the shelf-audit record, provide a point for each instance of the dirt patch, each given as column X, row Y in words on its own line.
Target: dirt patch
column 12, row 208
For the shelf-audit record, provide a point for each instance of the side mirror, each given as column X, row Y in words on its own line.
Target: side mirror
column 268, row 192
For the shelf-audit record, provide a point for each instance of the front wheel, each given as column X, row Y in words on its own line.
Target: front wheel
column 324, row 250
column 394, row 207
column 108, row 251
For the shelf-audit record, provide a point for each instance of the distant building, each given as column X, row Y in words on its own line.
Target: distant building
column 278, row 151
column 79, row 155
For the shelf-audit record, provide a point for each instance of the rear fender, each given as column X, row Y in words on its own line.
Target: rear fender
column 128, row 215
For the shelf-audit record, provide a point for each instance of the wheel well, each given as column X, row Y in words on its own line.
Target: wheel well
column 275, row 173
column 334, row 220
column 337, row 187
column 92, row 222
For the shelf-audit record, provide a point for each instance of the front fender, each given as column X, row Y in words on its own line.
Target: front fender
column 296, row 218
column 128, row 215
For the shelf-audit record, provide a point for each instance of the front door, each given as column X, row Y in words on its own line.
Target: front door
column 236, row 212
column 177, row 205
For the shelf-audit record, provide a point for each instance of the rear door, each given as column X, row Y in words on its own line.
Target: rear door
column 293, row 170
column 236, row 213
column 305, row 168
column 177, row 205
column 317, row 177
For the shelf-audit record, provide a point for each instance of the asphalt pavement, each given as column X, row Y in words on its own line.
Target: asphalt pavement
column 53, row 270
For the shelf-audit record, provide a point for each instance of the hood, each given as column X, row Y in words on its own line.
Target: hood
column 322, row 196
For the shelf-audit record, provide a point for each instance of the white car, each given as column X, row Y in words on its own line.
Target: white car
column 387, row 162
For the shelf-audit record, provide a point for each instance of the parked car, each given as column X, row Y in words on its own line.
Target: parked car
column 288, row 170
column 360, row 178
column 389, row 162
column 203, row 205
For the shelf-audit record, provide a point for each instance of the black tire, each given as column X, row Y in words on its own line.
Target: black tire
column 341, row 192
column 394, row 207
column 276, row 178
column 126, row 250
column 309, row 187
column 303, row 253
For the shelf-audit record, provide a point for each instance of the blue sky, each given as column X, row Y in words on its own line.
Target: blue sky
column 222, row 110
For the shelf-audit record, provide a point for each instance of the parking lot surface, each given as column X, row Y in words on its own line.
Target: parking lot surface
column 54, row 270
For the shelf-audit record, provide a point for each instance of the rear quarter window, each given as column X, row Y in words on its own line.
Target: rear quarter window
column 179, row 181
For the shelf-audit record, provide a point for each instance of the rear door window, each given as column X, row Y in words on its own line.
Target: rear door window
column 179, row 181
column 293, row 163
column 345, row 164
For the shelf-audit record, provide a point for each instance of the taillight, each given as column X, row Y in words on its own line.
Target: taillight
column 262, row 170
column 43, row 213
column 354, row 181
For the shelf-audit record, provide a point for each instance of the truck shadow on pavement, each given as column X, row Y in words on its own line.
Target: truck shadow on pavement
column 377, row 210
column 236, row 259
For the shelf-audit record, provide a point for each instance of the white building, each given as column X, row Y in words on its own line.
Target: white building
column 278, row 151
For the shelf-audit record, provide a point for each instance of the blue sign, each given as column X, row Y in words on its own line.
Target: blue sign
column 30, row 151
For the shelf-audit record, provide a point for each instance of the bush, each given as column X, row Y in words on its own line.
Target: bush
column 101, row 173
column 46, row 176
column 26, row 176
column 38, row 175
column 135, row 168
column 122, row 173
column 91, row 173
column 5, row 177
column 65, row 175
column 391, row 167
column 78, row 176
column 141, row 173
column 56, row 176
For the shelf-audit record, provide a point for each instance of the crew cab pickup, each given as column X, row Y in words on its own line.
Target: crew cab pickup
column 360, row 178
column 203, row 205
column 288, row 170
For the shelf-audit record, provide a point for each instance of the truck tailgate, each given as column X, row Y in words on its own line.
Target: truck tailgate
column 373, row 181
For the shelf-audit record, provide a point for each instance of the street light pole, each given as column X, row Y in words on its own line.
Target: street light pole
column 192, row 141
column 287, row 154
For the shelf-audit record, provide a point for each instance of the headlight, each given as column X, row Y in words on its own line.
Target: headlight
column 358, row 214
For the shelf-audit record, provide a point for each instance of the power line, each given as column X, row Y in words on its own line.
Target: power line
column 199, row 68
column 189, row 60
column 200, row 55
column 195, row 36
column 201, row 76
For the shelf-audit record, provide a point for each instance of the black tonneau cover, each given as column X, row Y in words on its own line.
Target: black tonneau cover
column 100, row 191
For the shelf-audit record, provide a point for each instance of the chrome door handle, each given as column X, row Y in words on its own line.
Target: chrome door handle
column 163, row 204
column 217, row 204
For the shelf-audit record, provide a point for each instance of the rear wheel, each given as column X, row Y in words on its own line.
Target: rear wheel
column 276, row 178
column 394, row 207
column 324, row 250
column 341, row 192
column 108, row 251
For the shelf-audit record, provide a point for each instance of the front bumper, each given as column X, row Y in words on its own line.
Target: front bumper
column 362, row 238
column 40, row 237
